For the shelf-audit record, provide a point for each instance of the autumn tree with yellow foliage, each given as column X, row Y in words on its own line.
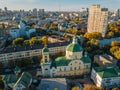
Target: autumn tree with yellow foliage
column 93, row 35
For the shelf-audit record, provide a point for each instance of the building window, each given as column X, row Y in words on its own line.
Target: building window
column 45, row 60
column 74, row 68
column 87, row 66
column 75, row 61
column 70, row 68
column 60, row 69
column 64, row 68
column 45, row 56
column 79, row 67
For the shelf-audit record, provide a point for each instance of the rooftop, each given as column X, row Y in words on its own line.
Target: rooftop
column 25, row 48
column 107, row 72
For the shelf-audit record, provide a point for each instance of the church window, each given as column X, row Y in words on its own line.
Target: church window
column 45, row 60
column 79, row 67
column 75, row 61
column 45, row 57
column 87, row 66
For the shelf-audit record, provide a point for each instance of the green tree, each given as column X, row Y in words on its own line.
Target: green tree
column 1, row 65
column 93, row 35
column 44, row 40
column 53, row 26
column 18, row 41
column 26, row 42
column 11, row 63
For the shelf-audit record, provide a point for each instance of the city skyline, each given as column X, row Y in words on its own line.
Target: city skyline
column 55, row 5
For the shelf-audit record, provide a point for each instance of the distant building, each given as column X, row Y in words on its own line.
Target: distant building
column 55, row 38
column 22, row 30
column 41, row 13
column 17, row 81
column 74, row 63
column 105, row 60
column 107, row 77
column 98, row 19
column 117, row 14
column 35, row 12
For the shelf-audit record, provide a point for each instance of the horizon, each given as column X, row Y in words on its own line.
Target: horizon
column 56, row 5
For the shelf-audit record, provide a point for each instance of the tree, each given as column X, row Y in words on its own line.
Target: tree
column 36, row 59
column 18, row 41
column 114, row 49
column 33, row 40
column 1, row 65
column 18, row 63
column 26, row 61
column 11, row 63
column 115, row 43
column 93, row 35
column 110, row 34
column 44, row 40
column 115, row 89
column 53, row 26
column 75, row 88
column 26, row 42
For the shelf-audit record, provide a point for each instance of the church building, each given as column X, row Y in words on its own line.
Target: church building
column 73, row 63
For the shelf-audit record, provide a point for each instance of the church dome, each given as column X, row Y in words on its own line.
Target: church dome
column 45, row 49
column 74, row 46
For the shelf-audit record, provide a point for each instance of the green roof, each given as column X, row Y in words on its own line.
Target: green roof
column 107, row 72
column 74, row 47
column 17, row 68
column 10, row 79
column 86, row 59
column 62, row 61
column 45, row 50
column 25, row 79
column 53, row 64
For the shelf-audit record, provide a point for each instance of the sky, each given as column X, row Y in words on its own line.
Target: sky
column 55, row 5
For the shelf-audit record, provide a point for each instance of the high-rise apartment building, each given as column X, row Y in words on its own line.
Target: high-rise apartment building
column 98, row 19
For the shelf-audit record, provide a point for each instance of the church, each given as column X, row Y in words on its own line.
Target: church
column 73, row 63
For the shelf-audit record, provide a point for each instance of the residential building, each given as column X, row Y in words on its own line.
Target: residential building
column 35, row 12
column 105, row 60
column 73, row 63
column 22, row 30
column 55, row 38
column 17, row 81
column 41, row 13
column 15, row 53
column 107, row 77
column 117, row 14
column 98, row 19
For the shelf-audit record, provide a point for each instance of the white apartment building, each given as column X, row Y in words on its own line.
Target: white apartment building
column 107, row 77
column 24, row 52
column 98, row 19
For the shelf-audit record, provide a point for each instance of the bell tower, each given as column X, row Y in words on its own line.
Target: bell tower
column 46, row 63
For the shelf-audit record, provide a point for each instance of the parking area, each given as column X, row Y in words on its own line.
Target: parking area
column 53, row 84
